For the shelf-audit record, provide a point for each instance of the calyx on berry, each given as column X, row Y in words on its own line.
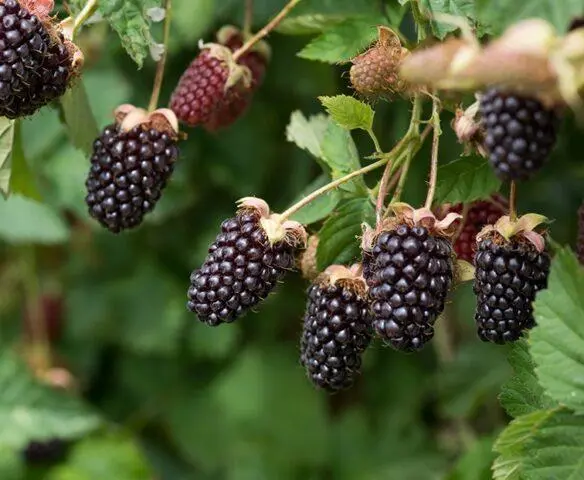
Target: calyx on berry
column 164, row 120
column 469, row 130
column 521, row 228
column 237, row 74
column 287, row 231
column 228, row 32
column 342, row 276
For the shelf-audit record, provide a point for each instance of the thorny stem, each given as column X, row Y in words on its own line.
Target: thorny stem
column 87, row 11
column 162, row 62
column 375, row 141
column 331, row 186
column 434, row 159
column 248, row 18
column 513, row 202
column 266, row 29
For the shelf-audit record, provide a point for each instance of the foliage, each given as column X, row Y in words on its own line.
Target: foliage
column 157, row 394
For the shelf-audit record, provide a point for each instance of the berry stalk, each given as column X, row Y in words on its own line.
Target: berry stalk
column 248, row 17
column 153, row 104
column 266, row 29
column 435, row 147
column 513, row 201
column 86, row 12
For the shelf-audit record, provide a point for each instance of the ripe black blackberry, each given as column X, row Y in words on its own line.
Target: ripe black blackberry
column 580, row 246
column 248, row 258
column 35, row 61
column 509, row 273
column 520, row 133
column 337, row 329
column 131, row 163
column 45, row 452
column 410, row 271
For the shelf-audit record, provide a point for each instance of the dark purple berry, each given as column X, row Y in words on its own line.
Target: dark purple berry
column 241, row 269
column 129, row 170
column 409, row 274
column 337, row 330
column 35, row 65
column 508, row 275
column 45, row 452
column 520, row 133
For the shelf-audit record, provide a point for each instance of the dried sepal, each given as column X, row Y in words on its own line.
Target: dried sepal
column 424, row 217
column 516, row 229
column 469, row 129
column 40, row 8
column 308, row 262
column 347, row 277
column 276, row 229
column 237, row 74
column 164, row 120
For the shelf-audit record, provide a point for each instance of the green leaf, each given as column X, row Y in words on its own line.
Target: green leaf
column 129, row 19
column 557, row 343
column 465, row 180
column 31, row 411
column 6, row 140
column 339, row 242
column 513, row 443
column 500, row 14
column 111, row 455
column 319, row 208
column 307, row 133
column 26, row 221
column 522, row 394
column 22, row 180
column 458, row 8
column 343, row 41
column 81, row 124
column 348, row 112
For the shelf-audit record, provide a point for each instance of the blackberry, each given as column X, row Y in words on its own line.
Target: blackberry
column 581, row 234
column 508, row 275
column 35, row 63
column 337, row 330
column 129, row 170
column 211, row 81
column 576, row 23
column 520, row 133
column 243, row 265
column 410, row 274
column 45, row 452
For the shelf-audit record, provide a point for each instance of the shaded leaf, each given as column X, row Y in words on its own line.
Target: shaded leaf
column 81, row 125
column 557, row 343
column 6, row 140
column 22, row 180
column 307, row 133
column 348, row 112
column 465, row 180
column 319, row 208
column 458, row 8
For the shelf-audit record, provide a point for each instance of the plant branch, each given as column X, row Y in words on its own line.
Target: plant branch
column 375, row 141
column 248, row 18
column 513, row 201
column 86, row 12
column 266, row 29
column 419, row 20
column 162, row 61
column 435, row 146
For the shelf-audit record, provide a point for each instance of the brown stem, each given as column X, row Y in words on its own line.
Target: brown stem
column 266, row 29
column 434, row 159
column 248, row 18
column 513, row 201
column 465, row 209
column 162, row 62
column 383, row 189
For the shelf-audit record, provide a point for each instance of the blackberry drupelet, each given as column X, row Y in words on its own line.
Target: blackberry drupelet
column 243, row 266
column 520, row 133
column 337, row 330
column 35, row 64
column 129, row 170
column 45, row 452
column 479, row 214
column 508, row 276
column 410, row 274
column 580, row 246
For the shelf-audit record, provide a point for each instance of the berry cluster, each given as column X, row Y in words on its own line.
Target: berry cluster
column 130, row 167
column 509, row 273
column 35, row 62
column 337, row 330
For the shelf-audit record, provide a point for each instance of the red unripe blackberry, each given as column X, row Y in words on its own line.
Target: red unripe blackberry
column 479, row 214
column 45, row 452
column 131, row 163
column 512, row 265
column 580, row 246
column 520, row 133
column 337, row 329
column 211, row 80
column 50, row 309
column 248, row 258
column 35, row 61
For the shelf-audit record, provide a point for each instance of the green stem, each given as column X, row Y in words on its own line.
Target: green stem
column 419, row 20
column 435, row 148
column 248, row 18
column 86, row 12
column 375, row 140
column 162, row 62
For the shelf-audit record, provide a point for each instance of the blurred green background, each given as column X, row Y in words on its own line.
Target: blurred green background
column 185, row 401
